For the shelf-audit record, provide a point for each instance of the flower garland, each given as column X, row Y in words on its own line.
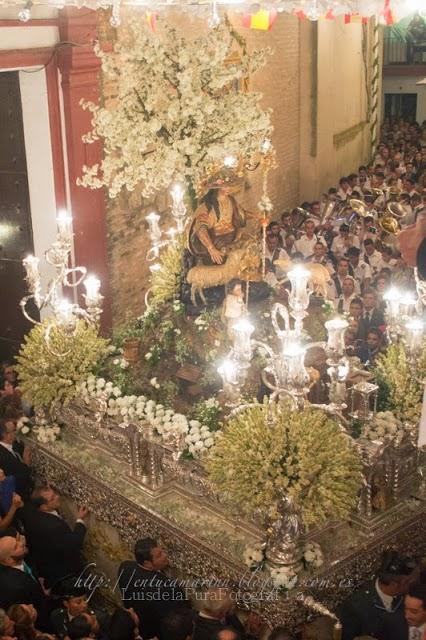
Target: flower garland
column 140, row 410
column 45, row 431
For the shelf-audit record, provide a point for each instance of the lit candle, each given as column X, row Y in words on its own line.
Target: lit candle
column 266, row 146
column 294, row 358
column 64, row 314
column 172, row 234
column 154, row 228
column 336, row 334
column 299, row 296
column 228, row 371
column 230, row 162
column 178, row 206
column 414, row 333
column 177, row 192
column 31, row 267
column 242, row 331
column 64, row 222
column 393, row 298
column 407, row 303
column 92, row 285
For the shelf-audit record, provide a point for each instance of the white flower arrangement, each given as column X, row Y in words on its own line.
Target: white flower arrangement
column 284, row 578
column 385, row 426
column 199, row 438
column 254, row 556
column 44, row 431
column 179, row 105
column 313, row 555
column 142, row 411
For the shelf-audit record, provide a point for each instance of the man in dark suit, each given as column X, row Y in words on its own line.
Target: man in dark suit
column 18, row 584
column 55, row 548
column 372, row 316
column 146, row 588
column 11, row 461
column 216, row 614
column 378, row 604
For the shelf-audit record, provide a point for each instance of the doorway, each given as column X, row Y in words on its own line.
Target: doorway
column 16, row 236
column 401, row 105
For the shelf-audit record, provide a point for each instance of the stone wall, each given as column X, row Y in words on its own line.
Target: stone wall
column 316, row 83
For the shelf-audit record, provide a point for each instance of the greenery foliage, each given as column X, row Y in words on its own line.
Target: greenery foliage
column 46, row 378
column 399, row 390
column 267, row 452
column 166, row 283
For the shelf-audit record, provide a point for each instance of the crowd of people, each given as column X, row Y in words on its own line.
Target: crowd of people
column 344, row 232
column 42, row 593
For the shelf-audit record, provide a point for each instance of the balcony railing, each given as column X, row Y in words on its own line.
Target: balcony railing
column 401, row 49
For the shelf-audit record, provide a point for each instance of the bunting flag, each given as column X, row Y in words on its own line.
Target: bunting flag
column 388, row 14
column 151, row 19
column 262, row 19
column 300, row 14
column 330, row 15
column 355, row 18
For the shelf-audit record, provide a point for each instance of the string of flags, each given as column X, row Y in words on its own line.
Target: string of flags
column 264, row 19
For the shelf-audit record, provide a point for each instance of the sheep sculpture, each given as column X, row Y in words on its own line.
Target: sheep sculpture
column 203, row 276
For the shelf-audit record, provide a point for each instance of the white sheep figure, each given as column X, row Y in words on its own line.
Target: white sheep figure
column 204, row 276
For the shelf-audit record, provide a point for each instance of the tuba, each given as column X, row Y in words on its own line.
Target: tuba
column 300, row 215
column 389, row 222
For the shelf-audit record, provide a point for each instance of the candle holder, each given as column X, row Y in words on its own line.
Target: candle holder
column 414, row 335
column 178, row 206
column 299, row 296
column 232, row 378
column 364, row 401
column 242, row 348
column 65, row 314
column 154, row 233
column 392, row 297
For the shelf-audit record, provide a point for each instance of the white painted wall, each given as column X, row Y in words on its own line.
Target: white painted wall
column 27, row 37
column 39, row 164
column 407, row 84
column 35, row 113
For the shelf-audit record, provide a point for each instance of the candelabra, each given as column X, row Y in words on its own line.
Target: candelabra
column 178, row 207
column 65, row 314
column 155, row 234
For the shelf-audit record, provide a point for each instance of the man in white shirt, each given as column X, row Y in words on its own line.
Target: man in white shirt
column 274, row 273
column 305, row 244
column 344, row 192
column 348, row 294
column 343, row 241
column 372, row 257
column 319, row 257
column 361, row 270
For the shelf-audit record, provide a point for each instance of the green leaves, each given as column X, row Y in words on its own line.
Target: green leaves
column 46, row 378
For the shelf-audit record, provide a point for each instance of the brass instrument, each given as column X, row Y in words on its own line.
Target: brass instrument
column 302, row 214
column 389, row 225
column 359, row 207
column 396, row 210
column 389, row 222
